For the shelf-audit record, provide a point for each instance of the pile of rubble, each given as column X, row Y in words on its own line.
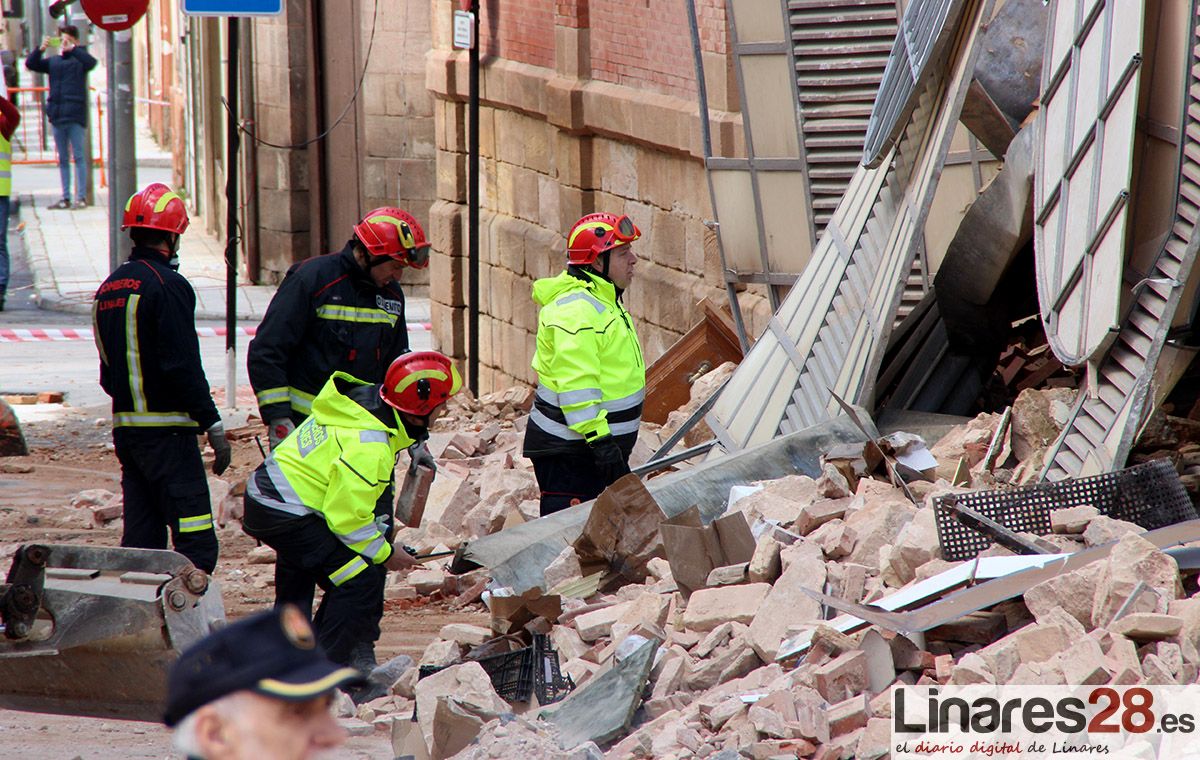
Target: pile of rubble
column 685, row 640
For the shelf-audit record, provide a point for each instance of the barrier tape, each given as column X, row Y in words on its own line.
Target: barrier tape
column 20, row 335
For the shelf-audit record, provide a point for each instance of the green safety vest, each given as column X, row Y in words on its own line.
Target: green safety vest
column 337, row 464
column 5, row 166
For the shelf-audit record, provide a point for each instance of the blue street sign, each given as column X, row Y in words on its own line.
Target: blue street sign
column 232, row 7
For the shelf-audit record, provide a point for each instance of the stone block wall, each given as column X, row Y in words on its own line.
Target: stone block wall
column 397, row 147
column 610, row 124
column 281, row 90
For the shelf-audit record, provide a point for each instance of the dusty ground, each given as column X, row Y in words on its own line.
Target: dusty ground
column 70, row 451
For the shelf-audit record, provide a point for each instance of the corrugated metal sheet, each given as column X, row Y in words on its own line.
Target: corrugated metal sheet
column 856, row 273
column 925, row 31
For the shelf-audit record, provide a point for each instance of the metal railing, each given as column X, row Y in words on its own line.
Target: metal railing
column 33, row 143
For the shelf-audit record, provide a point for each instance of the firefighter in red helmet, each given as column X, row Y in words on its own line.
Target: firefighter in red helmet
column 338, row 312
column 322, row 499
column 145, row 331
column 591, row 376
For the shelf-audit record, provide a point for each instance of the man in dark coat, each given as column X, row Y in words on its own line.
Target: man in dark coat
column 67, row 65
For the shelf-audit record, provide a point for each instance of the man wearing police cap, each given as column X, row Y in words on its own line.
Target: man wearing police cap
column 258, row 688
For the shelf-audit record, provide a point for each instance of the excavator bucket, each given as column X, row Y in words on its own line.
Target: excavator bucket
column 91, row 630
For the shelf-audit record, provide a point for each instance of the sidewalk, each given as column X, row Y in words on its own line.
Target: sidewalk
column 68, row 250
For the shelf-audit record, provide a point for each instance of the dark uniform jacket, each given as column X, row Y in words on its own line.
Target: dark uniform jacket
column 68, row 102
column 145, row 330
column 327, row 316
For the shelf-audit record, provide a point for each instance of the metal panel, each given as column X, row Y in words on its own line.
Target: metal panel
column 733, row 204
column 927, row 28
column 774, row 156
column 1090, row 96
column 1112, row 404
column 855, row 276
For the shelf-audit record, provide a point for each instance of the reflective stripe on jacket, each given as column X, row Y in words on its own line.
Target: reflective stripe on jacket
column 591, row 374
column 327, row 316
column 145, row 331
column 337, row 463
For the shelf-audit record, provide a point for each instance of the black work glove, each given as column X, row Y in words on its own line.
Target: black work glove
column 610, row 460
column 221, row 449
column 421, row 455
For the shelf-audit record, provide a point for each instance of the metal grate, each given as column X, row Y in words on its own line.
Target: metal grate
column 1149, row 495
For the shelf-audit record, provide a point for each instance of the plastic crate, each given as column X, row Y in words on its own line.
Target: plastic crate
column 521, row 673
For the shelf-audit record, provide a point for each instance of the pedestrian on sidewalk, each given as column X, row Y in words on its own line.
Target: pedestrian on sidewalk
column 340, row 312
column 10, row 117
column 322, row 497
column 67, row 65
column 145, row 330
column 591, row 376
column 257, row 688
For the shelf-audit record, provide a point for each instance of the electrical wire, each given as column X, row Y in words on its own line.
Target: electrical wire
column 345, row 111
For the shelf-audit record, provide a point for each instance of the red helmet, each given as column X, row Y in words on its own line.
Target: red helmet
column 597, row 233
column 419, row 382
column 395, row 233
column 157, row 207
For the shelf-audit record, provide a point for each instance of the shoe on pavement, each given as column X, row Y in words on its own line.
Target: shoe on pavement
column 79, row 204
column 60, row 204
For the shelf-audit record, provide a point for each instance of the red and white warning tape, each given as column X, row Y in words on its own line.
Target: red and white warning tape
column 20, row 335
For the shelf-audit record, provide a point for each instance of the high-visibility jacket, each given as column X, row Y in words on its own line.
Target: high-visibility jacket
column 591, row 376
column 145, row 330
column 337, row 464
column 5, row 167
column 327, row 316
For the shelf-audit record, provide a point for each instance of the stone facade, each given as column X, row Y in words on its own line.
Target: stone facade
column 391, row 118
column 608, row 123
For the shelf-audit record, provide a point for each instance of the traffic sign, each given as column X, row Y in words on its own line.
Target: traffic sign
column 233, row 7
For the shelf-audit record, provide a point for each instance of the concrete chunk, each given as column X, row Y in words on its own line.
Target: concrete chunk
column 764, row 563
column 1147, row 626
column 592, row 625
column 465, row 634
column 787, row 604
column 1104, row 530
column 843, row 677
column 816, row 514
column 883, row 514
column 1072, row 592
column 1072, row 519
column 709, row 607
column 1134, row 560
column 452, row 704
column 563, row 569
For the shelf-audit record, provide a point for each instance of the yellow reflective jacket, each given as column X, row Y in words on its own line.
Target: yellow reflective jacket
column 591, row 375
column 337, row 464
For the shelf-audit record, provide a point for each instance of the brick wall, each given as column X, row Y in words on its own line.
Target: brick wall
column 517, row 30
column 643, row 43
column 606, row 125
